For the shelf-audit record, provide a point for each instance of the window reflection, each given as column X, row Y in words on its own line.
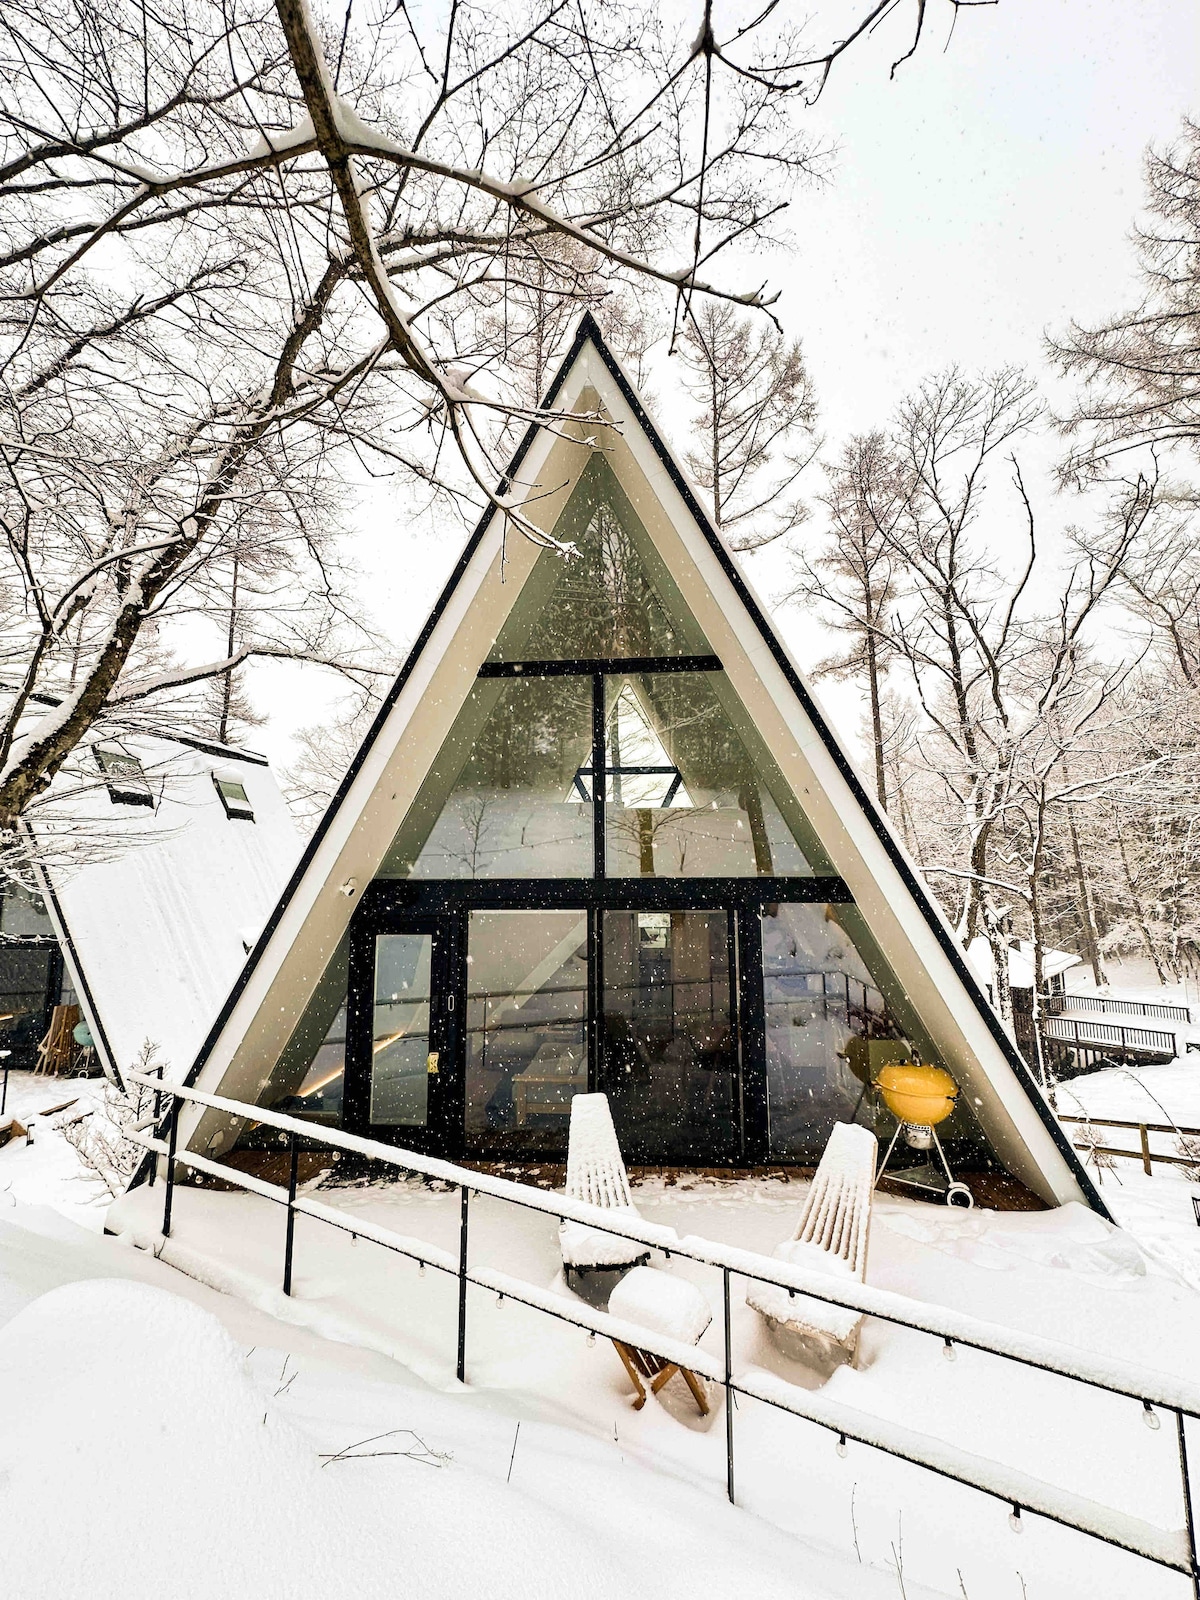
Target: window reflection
column 501, row 800
column 828, row 1025
column 612, row 597
column 400, row 1032
column 670, row 1055
column 687, row 797
column 308, row 1078
column 527, row 991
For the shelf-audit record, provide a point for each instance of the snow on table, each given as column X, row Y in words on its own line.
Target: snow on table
column 662, row 1304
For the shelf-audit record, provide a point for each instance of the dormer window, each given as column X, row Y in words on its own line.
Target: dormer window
column 234, row 798
column 124, row 778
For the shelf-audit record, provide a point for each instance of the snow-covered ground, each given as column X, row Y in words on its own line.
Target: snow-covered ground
column 197, row 1448
column 1158, row 1210
column 585, row 1496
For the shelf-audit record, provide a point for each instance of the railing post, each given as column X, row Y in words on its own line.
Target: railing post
column 462, row 1287
column 1188, row 1515
column 728, row 1391
column 1145, row 1138
column 157, row 1120
column 172, row 1135
column 291, row 1215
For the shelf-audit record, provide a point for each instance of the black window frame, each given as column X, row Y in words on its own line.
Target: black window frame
column 119, row 795
column 231, row 809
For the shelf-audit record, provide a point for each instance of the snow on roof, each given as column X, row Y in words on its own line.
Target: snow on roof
column 157, row 915
column 1020, row 962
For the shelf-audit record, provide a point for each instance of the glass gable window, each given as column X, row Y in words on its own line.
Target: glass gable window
column 613, row 598
column 309, row 1076
column 527, row 991
column 834, row 1014
column 685, row 797
column 818, row 996
column 501, row 800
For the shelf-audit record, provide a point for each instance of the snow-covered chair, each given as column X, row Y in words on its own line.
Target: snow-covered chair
column 596, row 1173
column 831, row 1238
column 661, row 1304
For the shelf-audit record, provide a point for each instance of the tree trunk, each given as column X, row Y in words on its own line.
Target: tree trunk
column 1087, row 924
column 1039, row 951
column 876, row 716
column 1136, row 902
column 230, row 641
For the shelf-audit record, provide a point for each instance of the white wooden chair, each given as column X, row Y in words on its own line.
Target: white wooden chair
column 831, row 1238
column 596, row 1173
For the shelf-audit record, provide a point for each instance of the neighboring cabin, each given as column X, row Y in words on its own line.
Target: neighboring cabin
column 182, row 847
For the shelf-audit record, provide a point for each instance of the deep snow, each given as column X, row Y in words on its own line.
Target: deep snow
column 207, row 1452
column 637, row 1498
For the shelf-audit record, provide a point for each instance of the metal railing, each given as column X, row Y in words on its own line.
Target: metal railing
column 1143, row 1153
column 1151, row 1391
column 1055, row 1004
column 1098, row 1035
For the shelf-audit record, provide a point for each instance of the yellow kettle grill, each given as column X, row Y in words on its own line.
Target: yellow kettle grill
column 920, row 1097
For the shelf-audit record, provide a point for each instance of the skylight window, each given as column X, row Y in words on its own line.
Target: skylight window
column 124, row 778
column 234, row 798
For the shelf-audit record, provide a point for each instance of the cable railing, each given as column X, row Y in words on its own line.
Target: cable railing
column 1152, row 1391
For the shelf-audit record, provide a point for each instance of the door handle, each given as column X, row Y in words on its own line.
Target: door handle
column 431, row 1063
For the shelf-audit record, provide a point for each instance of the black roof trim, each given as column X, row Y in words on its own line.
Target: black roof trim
column 68, row 939
column 209, row 747
column 586, row 329
column 587, row 332
column 915, row 886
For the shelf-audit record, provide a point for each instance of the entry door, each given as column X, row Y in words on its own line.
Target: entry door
column 669, row 1046
column 404, row 1086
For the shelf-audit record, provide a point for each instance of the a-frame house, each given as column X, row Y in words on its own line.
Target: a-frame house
column 601, row 836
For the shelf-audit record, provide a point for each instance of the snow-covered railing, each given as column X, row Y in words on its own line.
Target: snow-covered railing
column 1056, row 1004
column 1090, row 1146
column 1173, row 1548
column 1085, row 1034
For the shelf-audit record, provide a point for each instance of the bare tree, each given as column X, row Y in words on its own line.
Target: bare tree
column 757, row 425
column 853, row 579
column 1140, row 370
column 998, row 674
column 240, row 243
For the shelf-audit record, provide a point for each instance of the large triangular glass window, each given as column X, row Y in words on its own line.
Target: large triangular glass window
column 612, row 599
column 600, row 664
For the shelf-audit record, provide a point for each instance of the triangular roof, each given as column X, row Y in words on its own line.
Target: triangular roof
column 173, row 892
column 385, row 776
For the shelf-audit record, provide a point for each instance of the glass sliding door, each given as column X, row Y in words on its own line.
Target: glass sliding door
column 526, row 1044
column 670, row 1061
column 833, row 1015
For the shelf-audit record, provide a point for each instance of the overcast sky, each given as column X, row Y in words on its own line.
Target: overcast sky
column 982, row 197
